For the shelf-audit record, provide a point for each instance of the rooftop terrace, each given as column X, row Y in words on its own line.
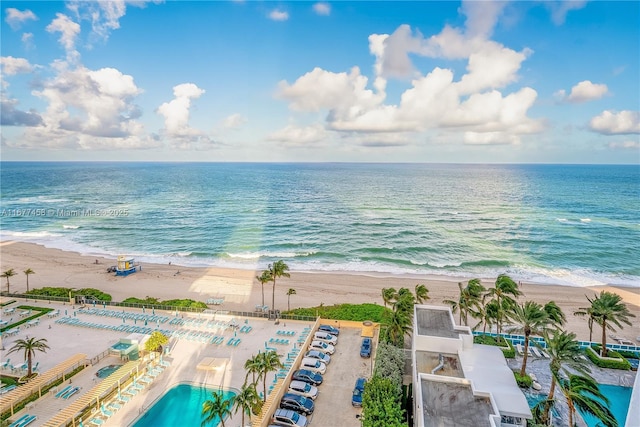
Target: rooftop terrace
column 437, row 323
column 447, row 404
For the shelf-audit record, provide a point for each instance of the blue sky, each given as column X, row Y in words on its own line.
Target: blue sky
column 477, row 81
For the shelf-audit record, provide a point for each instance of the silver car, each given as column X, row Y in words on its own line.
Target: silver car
column 322, row 346
column 315, row 354
column 303, row 389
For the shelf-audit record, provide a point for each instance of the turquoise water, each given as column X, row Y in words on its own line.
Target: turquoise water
column 564, row 224
column 179, row 406
column 121, row 346
column 107, row 370
column 619, row 398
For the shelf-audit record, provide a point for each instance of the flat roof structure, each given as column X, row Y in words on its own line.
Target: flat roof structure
column 448, row 404
column 487, row 368
column 457, row 382
column 436, row 323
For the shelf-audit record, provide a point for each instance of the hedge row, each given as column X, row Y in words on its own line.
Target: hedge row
column 613, row 361
column 509, row 353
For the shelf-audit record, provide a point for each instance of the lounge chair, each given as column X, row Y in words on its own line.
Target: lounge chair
column 96, row 421
column 520, row 349
column 63, row 391
column 535, row 352
column 5, row 364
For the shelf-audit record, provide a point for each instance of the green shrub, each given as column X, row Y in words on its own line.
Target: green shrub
column 509, row 352
column 381, row 404
column 66, row 292
column 618, row 361
column 355, row 312
column 523, row 381
column 390, row 363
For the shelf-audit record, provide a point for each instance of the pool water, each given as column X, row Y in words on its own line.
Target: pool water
column 619, row 398
column 107, row 370
column 180, row 406
column 121, row 346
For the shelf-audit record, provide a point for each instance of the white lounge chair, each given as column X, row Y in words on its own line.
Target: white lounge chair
column 535, row 352
column 520, row 349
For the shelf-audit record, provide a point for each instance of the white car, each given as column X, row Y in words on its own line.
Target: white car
column 328, row 338
column 317, row 354
column 313, row 365
column 303, row 389
column 322, row 346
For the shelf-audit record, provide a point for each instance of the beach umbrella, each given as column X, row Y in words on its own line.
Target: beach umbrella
column 65, row 312
column 74, row 314
column 153, row 310
column 143, row 308
column 104, row 304
column 123, row 320
column 135, row 321
column 94, row 304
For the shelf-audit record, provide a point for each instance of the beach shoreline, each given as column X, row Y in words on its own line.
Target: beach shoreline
column 242, row 292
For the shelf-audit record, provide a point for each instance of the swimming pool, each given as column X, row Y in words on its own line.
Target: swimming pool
column 107, row 370
column 619, row 398
column 181, row 405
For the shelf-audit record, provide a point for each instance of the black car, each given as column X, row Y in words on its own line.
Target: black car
column 307, row 376
column 330, row 329
column 297, row 403
column 356, row 398
column 365, row 348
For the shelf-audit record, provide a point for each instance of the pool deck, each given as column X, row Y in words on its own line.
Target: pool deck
column 66, row 340
column 540, row 367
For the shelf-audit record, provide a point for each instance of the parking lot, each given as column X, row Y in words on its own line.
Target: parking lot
column 333, row 405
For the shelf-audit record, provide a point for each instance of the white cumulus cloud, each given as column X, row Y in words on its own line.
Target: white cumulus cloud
column 322, row 8
column 278, row 15
column 176, row 115
column 68, row 30
column 233, row 121
column 616, row 123
column 295, row 135
column 586, row 91
column 15, row 18
column 12, row 66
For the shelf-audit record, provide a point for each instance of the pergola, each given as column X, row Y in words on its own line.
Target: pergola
column 70, row 414
column 9, row 400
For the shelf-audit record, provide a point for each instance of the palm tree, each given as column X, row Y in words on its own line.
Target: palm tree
column 246, row 400
column 217, row 406
column 276, row 270
column 398, row 325
column 269, row 362
column 388, row 295
column 29, row 346
column 608, row 309
column 404, row 302
column 583, row 393
column 290, row 292
column 504, row 293
column 27, row 272
column 264, row 278
column 156, row 342
column 422, row 294
column 588, row 311
column 253, row 367
column 469, row 301
column 555, row 314
column 9, row 273
column 564, row 352
column 530, row 319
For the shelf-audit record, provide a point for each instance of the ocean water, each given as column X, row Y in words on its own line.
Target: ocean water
column 571, row 225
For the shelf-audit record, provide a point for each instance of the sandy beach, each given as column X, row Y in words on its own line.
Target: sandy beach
column 241, row 291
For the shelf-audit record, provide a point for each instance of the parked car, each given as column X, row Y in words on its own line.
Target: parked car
column 330, row 329
column 315, row 354
column 287, row 417
column 356, row 398
column 304, row 389
column 307, row 376
column 326, row 337
column 365, row 348
column 322, row 346
column 297, row 403
column 313, row 365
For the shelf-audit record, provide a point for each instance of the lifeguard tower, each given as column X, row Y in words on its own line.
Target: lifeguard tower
column 126, row 265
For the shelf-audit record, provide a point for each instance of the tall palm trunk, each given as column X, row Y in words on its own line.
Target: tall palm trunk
column 603, row 352
column 523, row 370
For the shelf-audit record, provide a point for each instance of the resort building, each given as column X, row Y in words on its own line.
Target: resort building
column 457, row 382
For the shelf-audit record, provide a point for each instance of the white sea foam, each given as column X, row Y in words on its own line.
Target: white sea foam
column 585, row 219
column 38, row 199
column 268, row 254
column 71, row 227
